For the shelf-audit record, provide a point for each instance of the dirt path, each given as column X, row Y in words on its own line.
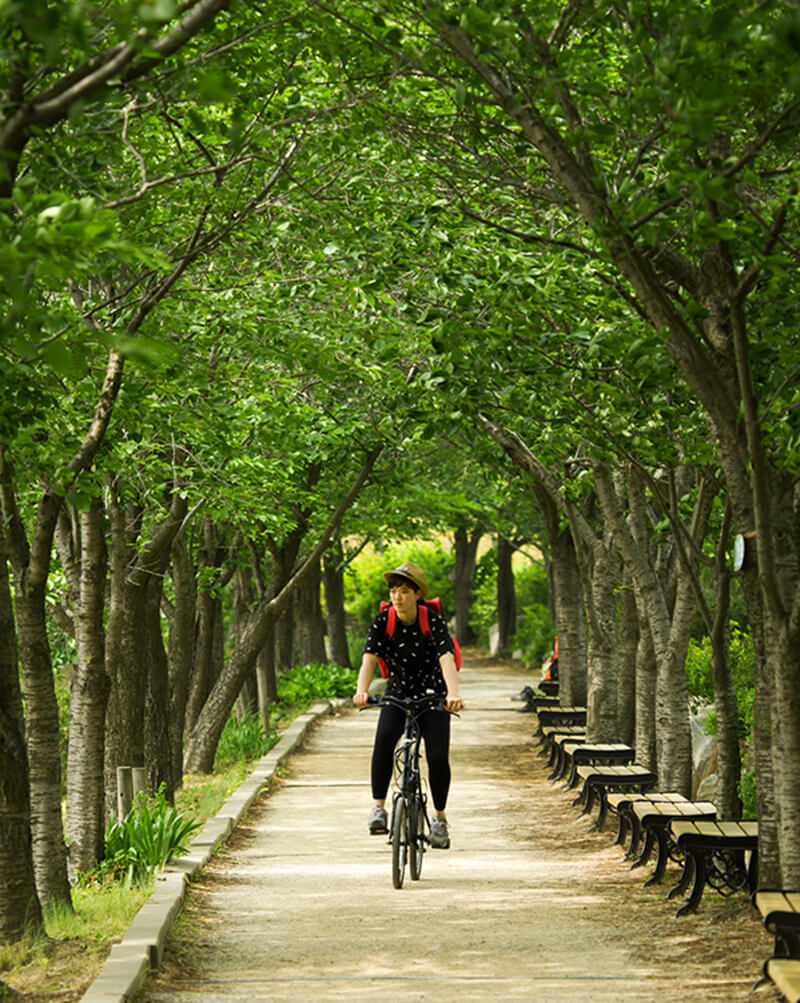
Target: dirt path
column 526, row 904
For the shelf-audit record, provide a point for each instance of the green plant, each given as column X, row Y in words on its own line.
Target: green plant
column 151, row 835
column 304, row 684
column 244, row 738
column 701, row 685
column 747, row 793
column 483, row 612
column 535, row 630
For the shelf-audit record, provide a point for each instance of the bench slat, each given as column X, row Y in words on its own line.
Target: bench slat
column 785, row 973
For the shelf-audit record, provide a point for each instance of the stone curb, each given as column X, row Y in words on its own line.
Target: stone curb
column 142, row 947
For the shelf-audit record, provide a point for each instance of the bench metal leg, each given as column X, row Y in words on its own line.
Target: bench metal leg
column 602, row 814
column 647, row 849
column 622, row 829
column 699, row 860
column 662, row 852
column 636, row 836
column 685, row 877
column 587, row 796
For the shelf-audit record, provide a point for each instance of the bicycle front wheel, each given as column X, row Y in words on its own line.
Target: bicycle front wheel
column 416, row 837
column 399, row 845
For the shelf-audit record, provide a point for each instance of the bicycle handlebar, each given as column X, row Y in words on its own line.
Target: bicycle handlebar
column 405, row 703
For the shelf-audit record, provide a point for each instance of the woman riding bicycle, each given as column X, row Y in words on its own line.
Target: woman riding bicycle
column 418, row 666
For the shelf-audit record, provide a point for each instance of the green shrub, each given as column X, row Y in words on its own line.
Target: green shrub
column 535, row 629
column 483, row 613
column 701, row 684
column 747, row 793
column 244, row 738
column 151, row 835
column 304, row 684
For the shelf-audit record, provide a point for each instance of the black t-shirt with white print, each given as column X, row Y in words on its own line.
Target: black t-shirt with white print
column 413, row 659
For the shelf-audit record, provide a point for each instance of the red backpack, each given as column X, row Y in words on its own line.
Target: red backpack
column 422, row 613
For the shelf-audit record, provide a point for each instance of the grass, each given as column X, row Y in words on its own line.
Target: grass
column 61, row 963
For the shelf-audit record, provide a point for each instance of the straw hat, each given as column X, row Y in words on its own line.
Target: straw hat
column 413, row 573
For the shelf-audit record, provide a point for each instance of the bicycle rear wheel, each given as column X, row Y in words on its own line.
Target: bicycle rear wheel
column 416, row 837
column 399, row 844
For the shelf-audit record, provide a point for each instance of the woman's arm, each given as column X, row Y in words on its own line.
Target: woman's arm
column 453, row 701
column 365, row 674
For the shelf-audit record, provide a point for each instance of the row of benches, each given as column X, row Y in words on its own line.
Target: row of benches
column 710, row 851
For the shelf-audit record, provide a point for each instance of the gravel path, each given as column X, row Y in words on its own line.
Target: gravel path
column 525, row 905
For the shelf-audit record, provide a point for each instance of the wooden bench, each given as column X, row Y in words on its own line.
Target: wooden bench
column 785, row 974
column 598, row 781
column 714, row 854
column 537, row 700
column 549, row 687
column 653, row 819
column 550, row 735
column 620, row 803
column 780, row 911
column 574, row 753
column 556, row 714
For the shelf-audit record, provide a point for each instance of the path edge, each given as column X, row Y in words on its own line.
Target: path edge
column 141, row 949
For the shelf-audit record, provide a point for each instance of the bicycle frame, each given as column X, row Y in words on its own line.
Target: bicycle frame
column 409, row 825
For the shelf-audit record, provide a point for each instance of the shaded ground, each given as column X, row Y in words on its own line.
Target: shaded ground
column 527, row 904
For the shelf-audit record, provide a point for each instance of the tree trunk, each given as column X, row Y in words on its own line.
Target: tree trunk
column 156, row 719
column 466, row 549
column 669, row 630
column 284, row 638
column 568, row 604
column 506, row 596
column 673, row 730
column 85, row 816
column 202, row 674
column 601, row 580
column 335, row 618
column 309, row 622
column 628, row 645
column 20, row 910
column 243, row 597
column 645, row 738
column 179, row 653
column 266, row 678
column 140, row 682
column 44, row 760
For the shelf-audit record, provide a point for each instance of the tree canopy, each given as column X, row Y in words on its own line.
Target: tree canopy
column 274, row 273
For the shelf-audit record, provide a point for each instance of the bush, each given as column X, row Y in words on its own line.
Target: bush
column 701, row 684
column 535, row 629
column 304, row 684
column 484, row 597
column 747, row 793
column 244, row 738
column 151, row 835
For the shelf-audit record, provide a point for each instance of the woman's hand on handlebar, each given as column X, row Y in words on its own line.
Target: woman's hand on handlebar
column 361, row 698
column 453, row 703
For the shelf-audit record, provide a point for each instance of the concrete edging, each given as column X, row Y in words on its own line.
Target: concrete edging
column 142, row 947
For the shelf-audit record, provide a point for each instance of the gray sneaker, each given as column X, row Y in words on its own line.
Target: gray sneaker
column 378, row 822
column 440, row 837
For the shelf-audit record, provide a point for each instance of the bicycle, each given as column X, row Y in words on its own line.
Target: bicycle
column 410, row 826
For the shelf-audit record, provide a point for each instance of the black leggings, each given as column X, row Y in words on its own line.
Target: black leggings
column 435, row 728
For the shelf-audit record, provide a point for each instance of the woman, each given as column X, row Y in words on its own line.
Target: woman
column 417, row 665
